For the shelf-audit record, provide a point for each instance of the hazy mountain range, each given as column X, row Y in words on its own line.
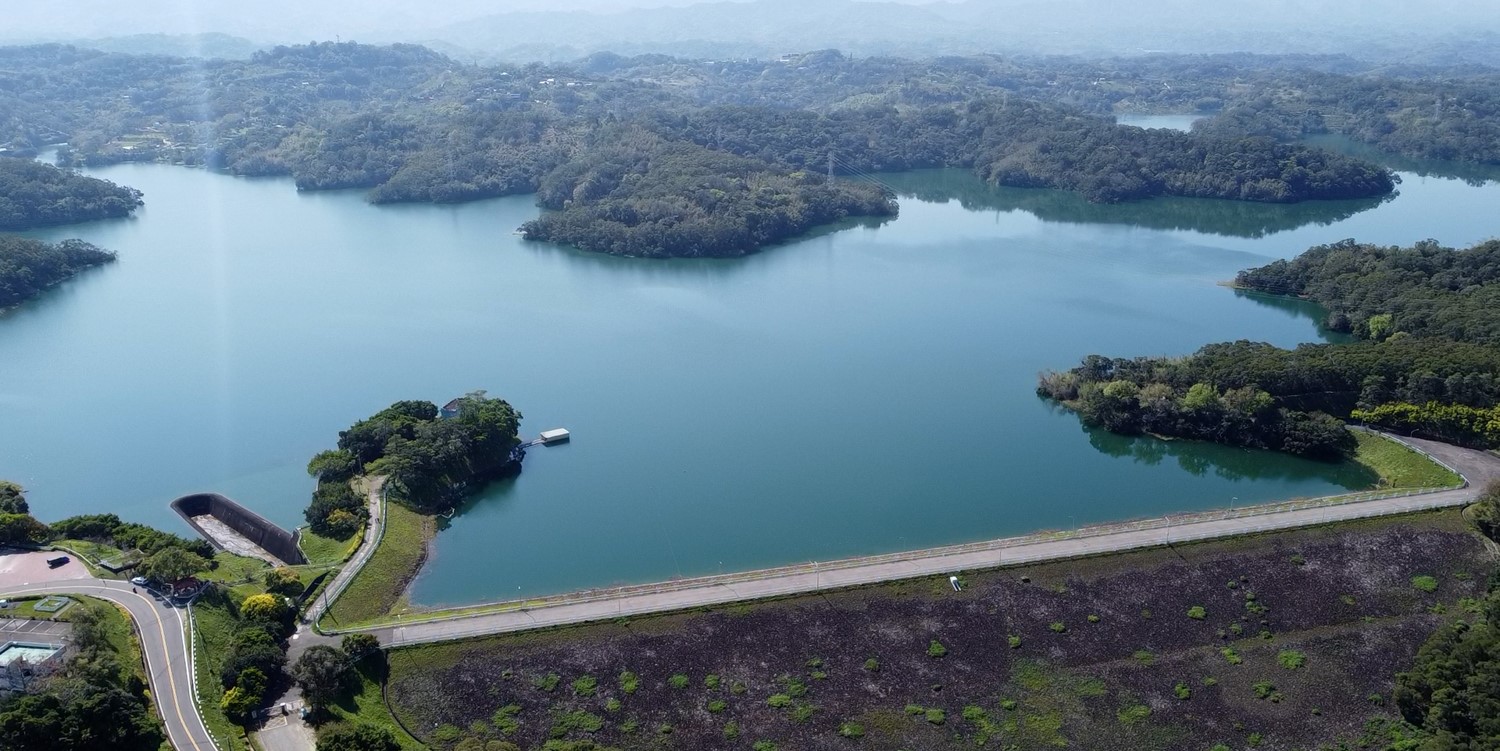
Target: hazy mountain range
column 1442, row 30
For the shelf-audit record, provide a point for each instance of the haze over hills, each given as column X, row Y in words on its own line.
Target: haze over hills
column 538, row 30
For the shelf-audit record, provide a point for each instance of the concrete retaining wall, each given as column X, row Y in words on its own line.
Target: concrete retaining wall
column 254, row 527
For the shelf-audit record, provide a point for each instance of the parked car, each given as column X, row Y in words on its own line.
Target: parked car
column 58, row 561
column 140, row 581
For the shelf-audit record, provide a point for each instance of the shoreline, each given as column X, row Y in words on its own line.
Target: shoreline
column 593, row 604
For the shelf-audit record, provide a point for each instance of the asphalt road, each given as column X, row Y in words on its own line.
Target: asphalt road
column 1477, row 466
column 169, row 661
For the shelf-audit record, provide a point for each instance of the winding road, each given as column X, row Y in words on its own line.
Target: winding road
column 162, row 628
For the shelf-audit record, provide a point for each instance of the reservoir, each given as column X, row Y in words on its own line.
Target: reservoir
column 863, row 390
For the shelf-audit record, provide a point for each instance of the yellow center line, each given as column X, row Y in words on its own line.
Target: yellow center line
column 171, row 681
column 162, row 634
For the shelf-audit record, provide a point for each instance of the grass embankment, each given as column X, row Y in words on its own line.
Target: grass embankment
column 1398, row 466
column 380, row 587
column 121, row 635
column 215, row 627
column 323, row 552
column 366, row 705
column 1285, row 640
column 240, row 573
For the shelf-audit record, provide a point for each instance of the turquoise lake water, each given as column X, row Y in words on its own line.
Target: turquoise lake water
column 863, row 390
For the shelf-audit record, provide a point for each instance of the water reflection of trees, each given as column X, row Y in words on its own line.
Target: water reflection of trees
column 1220, row 217
column 1471, row 173
column 1229, row 463
column 1296, row 308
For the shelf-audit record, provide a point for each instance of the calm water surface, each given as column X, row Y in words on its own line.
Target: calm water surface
column 859, row 391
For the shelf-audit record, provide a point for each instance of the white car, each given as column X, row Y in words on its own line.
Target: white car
column 139, row 581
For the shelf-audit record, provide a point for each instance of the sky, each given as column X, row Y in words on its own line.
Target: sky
column 1234, row 25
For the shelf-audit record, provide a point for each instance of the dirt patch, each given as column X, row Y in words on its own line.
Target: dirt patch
column 1121, row 652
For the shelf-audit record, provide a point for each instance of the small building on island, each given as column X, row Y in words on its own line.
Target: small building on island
column 556, row 435
column 450, row 410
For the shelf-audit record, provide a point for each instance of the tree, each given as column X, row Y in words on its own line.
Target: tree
column 283, row 580
column 335, row 465
column 21, row 529
column 252, row 648
column 356, row 737
column 321, row 672
column 1486, row 510
column 12, row 499
column 264, row 607
column 356, row 646
column 247, row 694
column 171, row 564
column 238, row 704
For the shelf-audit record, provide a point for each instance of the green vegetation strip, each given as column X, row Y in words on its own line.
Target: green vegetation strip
column 213, row 630
column 326, row 551
column 1400, row 467
column 378, row 587
column 365, row 704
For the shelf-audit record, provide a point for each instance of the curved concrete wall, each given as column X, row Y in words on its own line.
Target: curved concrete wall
column 271, row 538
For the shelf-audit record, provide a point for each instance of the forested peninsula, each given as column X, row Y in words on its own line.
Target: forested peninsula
column 1426, row 359
column 431, row 461
column 27, row 267
column 33, row 194
column 653, row 156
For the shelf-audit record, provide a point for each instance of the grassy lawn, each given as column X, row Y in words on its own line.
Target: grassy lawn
column 378, row 588
column 91, row 553
column 25, row 607
column 236, row 569
column 215, row 629
column 1398, row 466
column 325, row 551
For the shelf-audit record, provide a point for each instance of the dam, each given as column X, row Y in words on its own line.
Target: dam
column 229, row 526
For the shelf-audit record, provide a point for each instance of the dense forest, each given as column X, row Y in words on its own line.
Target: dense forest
column 644, row 196
column 413, row 125
column 430, row 461
column 1378, row 293
column 1426, row 360
column 29, row 266
column 33, row 194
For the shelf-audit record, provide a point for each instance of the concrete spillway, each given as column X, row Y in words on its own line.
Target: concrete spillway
column 230, row 526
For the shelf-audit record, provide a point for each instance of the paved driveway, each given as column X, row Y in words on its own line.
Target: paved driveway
column 286, row 733
column 22, row 567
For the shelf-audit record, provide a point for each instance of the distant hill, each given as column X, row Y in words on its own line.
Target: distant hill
column 210, row 45
column 768, row 28
column 1437, row 31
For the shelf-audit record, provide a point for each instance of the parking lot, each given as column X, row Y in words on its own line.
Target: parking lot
column 20, row 567
column 12, row 629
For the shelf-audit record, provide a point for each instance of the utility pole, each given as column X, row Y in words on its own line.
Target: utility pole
column 830, row 165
